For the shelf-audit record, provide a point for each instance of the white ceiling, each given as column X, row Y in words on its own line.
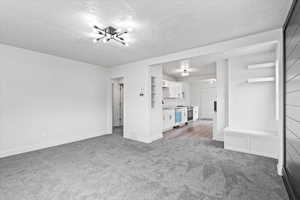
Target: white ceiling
column 61, row 27
column 199, row 66
column 203, row 67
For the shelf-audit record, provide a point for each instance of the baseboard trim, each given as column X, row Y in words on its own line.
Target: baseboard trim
column 35, row 147
column 157, row 137
column 218, row 138
column 288, row 186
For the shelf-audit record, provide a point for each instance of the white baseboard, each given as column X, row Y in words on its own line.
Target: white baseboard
column 218, row 138
column 39, row 146
column 156, row 137
column 143, row 139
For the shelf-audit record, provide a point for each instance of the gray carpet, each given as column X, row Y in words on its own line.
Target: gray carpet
column 113, row 168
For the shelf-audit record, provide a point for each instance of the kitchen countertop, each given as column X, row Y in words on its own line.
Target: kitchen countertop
column 174, row 107
column 169, row 108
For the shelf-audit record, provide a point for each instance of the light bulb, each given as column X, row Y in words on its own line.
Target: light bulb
column 105, row 40
column 95, row 40
column 185, row 73
column 212, row 81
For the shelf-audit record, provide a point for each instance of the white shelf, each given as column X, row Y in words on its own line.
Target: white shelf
column 153, row 94
column 262, row 65
column 261, row 80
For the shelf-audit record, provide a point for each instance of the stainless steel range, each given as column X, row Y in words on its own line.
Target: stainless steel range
column 190, row 111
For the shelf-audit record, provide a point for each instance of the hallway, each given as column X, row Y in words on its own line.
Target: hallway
column 197, row 129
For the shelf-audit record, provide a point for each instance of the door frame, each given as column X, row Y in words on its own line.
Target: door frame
column 112, row 102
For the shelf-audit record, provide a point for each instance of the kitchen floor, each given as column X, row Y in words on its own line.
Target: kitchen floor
column 197, row 129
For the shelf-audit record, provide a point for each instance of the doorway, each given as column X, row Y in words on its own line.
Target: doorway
column 118, row 106
column 189, row 93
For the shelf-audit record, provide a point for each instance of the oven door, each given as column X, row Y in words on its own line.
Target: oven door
column 190, row 114
column 178, row 117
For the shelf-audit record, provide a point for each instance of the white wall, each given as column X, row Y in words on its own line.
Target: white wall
column 47, row 100
column 136, row 79
column 251, row 106
column 186, row 87
column 169, row 78
column 280, row 101
column 156, row 118
column 137, row 75
column 221, row 120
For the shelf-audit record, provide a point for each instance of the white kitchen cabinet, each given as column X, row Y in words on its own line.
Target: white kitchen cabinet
column 184, row 116
column 179, row 90
column 168, row 119
column 207, row 98
column 173, row 89
column 195, row 113
column 165, row 83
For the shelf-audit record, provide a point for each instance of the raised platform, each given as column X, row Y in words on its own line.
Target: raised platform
column 263, row 143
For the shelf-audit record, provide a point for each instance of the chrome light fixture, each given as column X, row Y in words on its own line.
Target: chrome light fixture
column 185, row 72
column 185, row 68
column 110, row 33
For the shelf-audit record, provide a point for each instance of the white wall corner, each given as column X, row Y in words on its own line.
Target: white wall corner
column 221, row 74
column 219, row 137
column 279, row 168
column 156, row 137
column 280, row 101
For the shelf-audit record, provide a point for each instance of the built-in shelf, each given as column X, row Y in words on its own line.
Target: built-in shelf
column 260, row 80
column 262, row 65
column 153, row 94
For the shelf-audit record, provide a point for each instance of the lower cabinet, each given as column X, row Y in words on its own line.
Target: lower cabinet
column 184, row 115
column 195, row 113
column 168, row 119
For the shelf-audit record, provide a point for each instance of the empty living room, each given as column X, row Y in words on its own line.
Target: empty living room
column 150, row 100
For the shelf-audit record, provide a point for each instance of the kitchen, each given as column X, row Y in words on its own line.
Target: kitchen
column 188, row 96
column 176, row 111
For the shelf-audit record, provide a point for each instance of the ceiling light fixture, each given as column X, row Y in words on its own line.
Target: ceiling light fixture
column 110, row 33
column 212, row 81
column 185, row 68
column 185, row 72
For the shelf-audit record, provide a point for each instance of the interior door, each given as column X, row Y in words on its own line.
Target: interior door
column 121, row 104
column 292, row 101
column 118, row 103
column 207, row 99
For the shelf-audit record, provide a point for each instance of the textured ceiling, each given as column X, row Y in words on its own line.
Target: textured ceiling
column 63, row 28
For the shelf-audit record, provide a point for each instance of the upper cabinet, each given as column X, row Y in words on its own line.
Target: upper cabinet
column 172, row 89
